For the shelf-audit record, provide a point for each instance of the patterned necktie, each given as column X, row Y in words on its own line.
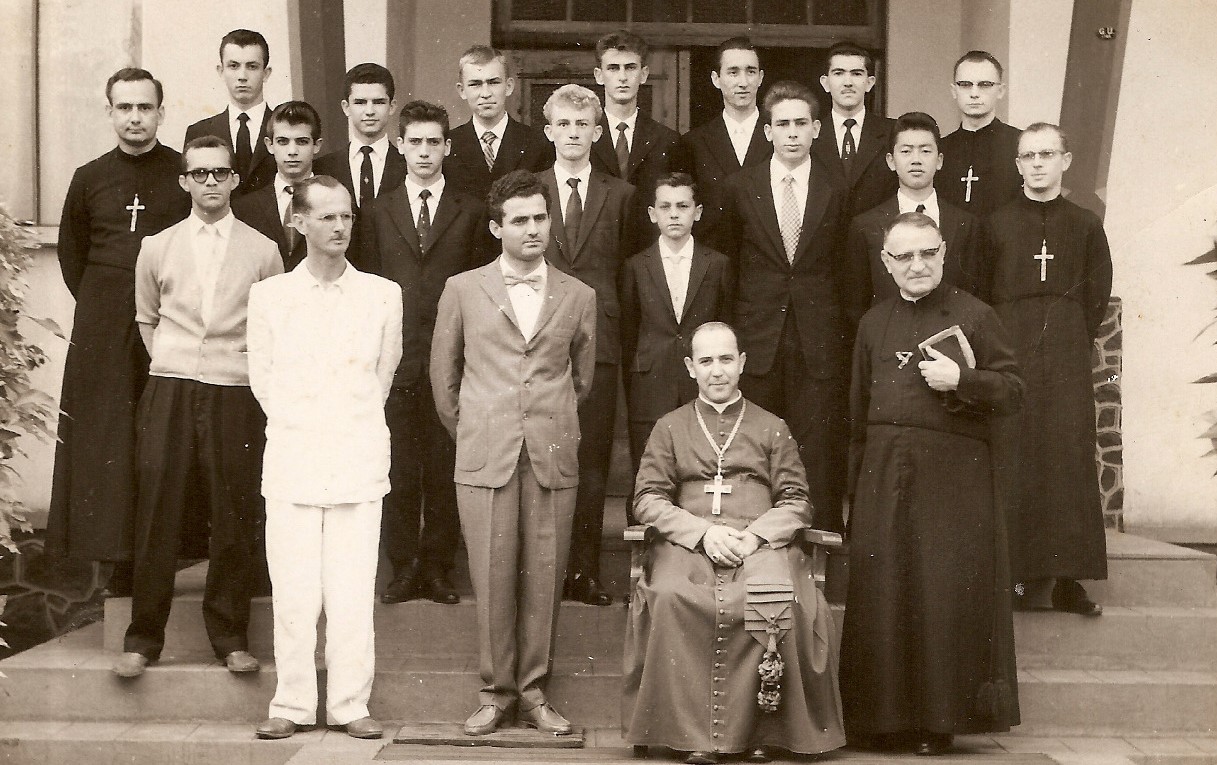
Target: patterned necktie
column 848, row 147
column 289, row 231
column 488, row 139
column 623, row 150
column 424, row 219
column 791, row 220
column 367, row 188
column 574, row 212
column 533, row 280
column 242, row 154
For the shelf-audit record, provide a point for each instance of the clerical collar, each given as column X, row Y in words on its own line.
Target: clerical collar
column 720, row 408
column 1059, row 196
column 928, row 298
column 992, row 121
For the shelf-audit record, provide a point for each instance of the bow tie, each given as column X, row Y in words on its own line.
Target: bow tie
column 532, row 280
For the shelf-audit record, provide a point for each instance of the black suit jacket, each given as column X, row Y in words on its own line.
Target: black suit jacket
column 596, row 257
column 871, row 283
column 870, row 181
column 337, row 165
column 653, row 343
column 811, row 290
column 260, row 210
column 459, row 241
column 651, row 155
column 706, row 153
column 523, row 148
column 262, row 164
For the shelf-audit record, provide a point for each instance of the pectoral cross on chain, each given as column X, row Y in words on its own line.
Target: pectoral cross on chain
column 134, row 207
column 1043, row 258
column 967, row 192
column 718, row 489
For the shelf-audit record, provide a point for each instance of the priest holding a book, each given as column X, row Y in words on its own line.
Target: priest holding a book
column 927, row 647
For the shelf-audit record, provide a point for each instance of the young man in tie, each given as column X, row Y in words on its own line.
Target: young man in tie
column 422, row 232
column 244, row 66
column 590, row 244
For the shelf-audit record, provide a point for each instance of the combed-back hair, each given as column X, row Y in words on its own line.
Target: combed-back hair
column 575, row 96
column 1047, row 127
column 134, row 74
column 206, row 142
column 732, row 43
column 245, row 38
column 915, row 121
column 302, row 191
column 369, row 74
column 479, row 55
column 789, row 90
column 626, row 42
column 847, row 48
column 675, row 181
column 422, row 111
column 518, row 184
column 980, row 57
column 296, row 113
column 706, row 327
column 914, row 219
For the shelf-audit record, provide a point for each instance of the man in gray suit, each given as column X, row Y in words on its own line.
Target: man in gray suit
column 513, row 353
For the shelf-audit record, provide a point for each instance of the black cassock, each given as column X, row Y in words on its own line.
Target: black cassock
column 928, row 637
column 93, row 490
column 1057, row 523
column 989, row 154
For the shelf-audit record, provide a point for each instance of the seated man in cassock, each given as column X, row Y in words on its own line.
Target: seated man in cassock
column 722, row 483
column 927, row 648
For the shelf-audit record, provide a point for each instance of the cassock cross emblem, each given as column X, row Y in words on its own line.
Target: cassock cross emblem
column 1043, row 258
column 134, row 207
column 718, row 489
column 968, row 179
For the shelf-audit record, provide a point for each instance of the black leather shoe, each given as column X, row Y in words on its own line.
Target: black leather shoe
column 485, row 720
column 439, row 588
column 546, row 719
column 586, row 589
column 1070, row 597
column 275, row 728
column 364, row 727
column 759, row 754
column 403, row 587
column 702, row 758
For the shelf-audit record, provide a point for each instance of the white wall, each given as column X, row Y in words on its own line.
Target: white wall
column 1039, row 50
column 364, row 31
column 17, row 57
column 924, row 40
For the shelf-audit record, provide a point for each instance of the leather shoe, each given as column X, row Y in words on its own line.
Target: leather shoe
column 130, row 664
column 586, row 589
column 485, row 720
column 546, row 719
column 403, row 587
column 759, row 754
column 439, row 589
column 1070, row 597
column 275, row 727
column 241, row 661
column 702, row 758
column 364, row 727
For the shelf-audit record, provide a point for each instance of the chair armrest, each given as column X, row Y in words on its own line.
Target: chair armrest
column 639, row 533
column 639, row 537
column 823, row 538
column 817, row 543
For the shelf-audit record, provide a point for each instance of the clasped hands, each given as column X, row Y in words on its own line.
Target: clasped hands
column 941, row 373
column 725, row 546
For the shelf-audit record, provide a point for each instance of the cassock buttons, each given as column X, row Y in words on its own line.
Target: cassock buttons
column 716, row 734
column 718, row 665
column 722, row 610
column 721, row 639
column 718, row 652
column 717, row 693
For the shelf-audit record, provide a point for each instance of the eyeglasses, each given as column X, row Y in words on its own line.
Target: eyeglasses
column 332, row 218
column 1045, row 154
column 199, row 174
column 983, row 84
column 907, row 257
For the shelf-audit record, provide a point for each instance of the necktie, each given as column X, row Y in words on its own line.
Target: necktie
column 920, row 209
column 488, row 139
column 424, row 219
column 574, row 212
column 367, row 189
column 791, row 220
column 533, row 280
column 623, row 150
column 848, row 148
column 242, row 154
column 289, row 231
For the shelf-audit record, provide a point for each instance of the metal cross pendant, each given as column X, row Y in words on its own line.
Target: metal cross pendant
column 134, row 207
column 1043, row 258
column 967, row 192
column 718, row 489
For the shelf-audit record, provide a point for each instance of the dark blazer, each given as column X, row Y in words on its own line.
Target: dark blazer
column 653, row 343
column 522, row 148
column 871, row 284
column 260, row 210
column 263, row 164
column 870, row 180
column 337, row 165
column 706, row 153
column 651, row 157
column 596, row 258
column 770, row 288
column 459, row 241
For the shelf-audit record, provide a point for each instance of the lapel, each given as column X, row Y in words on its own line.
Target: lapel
column 343, row 176
column 597, row 192
column 818, row 191
column 824, row 151
column 557, row 230
column 221, row 127
column 270, row 210
column 445, row 213
column 496, row 290
column 766, row 210
column 398, row 207
column 261, row 153
column 555, row 293
column 758, row 148
column 870, row 143
column 952, row 221
column 644, row 137
column 394, row 174
column 604, row 151
column 718, row 141
column 697, row 273
column 510, row 152
column 654, row 266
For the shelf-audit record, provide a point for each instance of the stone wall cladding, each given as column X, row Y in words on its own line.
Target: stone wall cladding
column 1107, row 359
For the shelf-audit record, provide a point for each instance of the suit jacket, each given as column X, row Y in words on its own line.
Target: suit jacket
column 653, row 342
column 496, row 392
column 706, row 153
column 871, row 284
column 262, row 164
column 651, row 155
column 596, row 258
column 260, row 210
column 522, row 148
column 812, row 290
column 869, row 180
column 337, row 164
column 459, row 240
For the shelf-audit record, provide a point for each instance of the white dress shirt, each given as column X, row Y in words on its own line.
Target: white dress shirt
column 498, row 128
column 210, row 244
column 676, row 268
column 525, row 301
column 561, row 176
column 380, row 151
column 802, row 179
column 741, row 133
column 613, row 130
column 282, row 197
column 256, row 114
column 908, row 205
column 838, row 123
column 416, row 204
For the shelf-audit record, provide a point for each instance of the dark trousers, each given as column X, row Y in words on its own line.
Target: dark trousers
column 420, row 521
column 200, row 465
column 640, row 431
column 816, row 411
column 596, row 416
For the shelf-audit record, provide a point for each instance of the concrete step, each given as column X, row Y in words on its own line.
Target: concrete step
column 1132, row 638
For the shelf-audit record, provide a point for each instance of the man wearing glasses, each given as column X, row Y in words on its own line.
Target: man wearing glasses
column 978, row 172
column 199, row 429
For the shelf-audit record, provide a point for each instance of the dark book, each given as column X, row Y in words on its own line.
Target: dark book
column 951, row 343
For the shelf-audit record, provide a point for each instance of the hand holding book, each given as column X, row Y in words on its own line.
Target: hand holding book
column 945, row 353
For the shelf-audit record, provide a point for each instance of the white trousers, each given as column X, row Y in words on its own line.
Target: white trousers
column 323, row 558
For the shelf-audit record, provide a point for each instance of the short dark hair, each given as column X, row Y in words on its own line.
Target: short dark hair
column 675, row 181
column 369, row 74
column 732, row 43
column 134, row 74
column 980, row 57
column 422, row 111
column 514, row 185
column 847, row 48
column 1046, row 127
column 295, row 113
column 790, row 90
column 707, row 327
column 626, row 42
column 914, row 219
column 206, row 142
column 915, row 121
column 301, row 191
column 246, row 38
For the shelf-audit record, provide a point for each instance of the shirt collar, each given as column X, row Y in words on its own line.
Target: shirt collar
column 667, row 253
column 380, row 148
column 282, row 183
column 748, row 124
column 436, row 189
column 498, row 128
column 223, row 226
column 907, row 204
column 541, row 269
column 838, row 122
column 256, row 113
column 778, row 171
column 720, row 408
column 342, row 282
column 584, row 176
column 613, row 122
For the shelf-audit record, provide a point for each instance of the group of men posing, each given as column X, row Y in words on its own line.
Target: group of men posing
column 446, row 346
